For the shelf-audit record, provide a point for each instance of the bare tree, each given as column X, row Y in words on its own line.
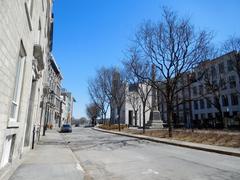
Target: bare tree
column 97, row 93
column 114, row 86
column 174, row 47
column 211, row 90
column 135, row 71
column 93, row 111
column 233, row 44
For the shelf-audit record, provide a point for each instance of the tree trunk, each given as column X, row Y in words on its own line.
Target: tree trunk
column 220, row 118
column 119, row 124
column 105, row 119
column 102, row 118
column 169, row 119
column 135, row 112
column 144, row 119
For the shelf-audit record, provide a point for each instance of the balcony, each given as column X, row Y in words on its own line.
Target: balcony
column 38, row 54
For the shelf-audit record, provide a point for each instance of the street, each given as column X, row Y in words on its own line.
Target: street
column 106, row 156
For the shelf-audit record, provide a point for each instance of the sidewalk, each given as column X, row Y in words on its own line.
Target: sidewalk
column 203, row 147
column 51, row 159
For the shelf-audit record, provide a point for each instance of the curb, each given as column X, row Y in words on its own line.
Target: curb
column 207, row 148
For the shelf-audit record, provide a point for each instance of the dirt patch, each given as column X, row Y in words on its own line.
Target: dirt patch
column 112, row 126
column 218, row 138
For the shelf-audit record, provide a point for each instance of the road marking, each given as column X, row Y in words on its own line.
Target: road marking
column 150, row 171
column 79, row 167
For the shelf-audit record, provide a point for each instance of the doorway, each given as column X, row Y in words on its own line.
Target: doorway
column 30, row 114
column 130, row 117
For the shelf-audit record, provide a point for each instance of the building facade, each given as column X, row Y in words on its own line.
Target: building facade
column 25, row 44
column 216, row 89
column 194, row 105
column 132, row 111
column 53, row 78
column 67, row 106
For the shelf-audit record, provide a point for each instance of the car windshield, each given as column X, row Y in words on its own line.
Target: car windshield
column 66, row 125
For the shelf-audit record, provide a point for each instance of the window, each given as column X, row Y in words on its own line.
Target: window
column 224, row 100
column 216, row 101
column 234, row 99
column 196, row 116
column 200, row 75
column 226, row 114
column 200, row 89
column 206, row 74
column 232, row 82
column 215, row 83
column 202, row 104
column 203, row 116
column 18, row 84
column 221, row 68
column 209, row 103
column 42, row 5
column 39, row 33
column 29, row 12
column 193, row 77
column 235, row 113
column 30, row 6
column 194, row 91
column 222, row 83
column 230, row 65
column 210, row 115
column 8, row 150
column 133, row 88
column 195, row 104
column 213, row 72
column 58, row 90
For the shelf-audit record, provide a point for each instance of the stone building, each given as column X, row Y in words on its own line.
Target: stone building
column 118, row 98
column 67, row 106
column 194, row 104
column 53, row 78
column 182, row 111
column 217, row 83
column 132, row 111
column 25, row 44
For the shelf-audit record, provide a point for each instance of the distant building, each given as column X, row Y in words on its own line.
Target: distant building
column 25, row 44
column 53, row 79
column 132, row 111
column 118, row 96
column 67, row 106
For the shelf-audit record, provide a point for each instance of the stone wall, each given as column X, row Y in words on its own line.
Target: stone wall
column 18, row 26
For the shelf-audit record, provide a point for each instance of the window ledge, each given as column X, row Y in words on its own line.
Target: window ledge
column 13, row 124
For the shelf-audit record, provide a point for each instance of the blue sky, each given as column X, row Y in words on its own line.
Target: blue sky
column 91, row 33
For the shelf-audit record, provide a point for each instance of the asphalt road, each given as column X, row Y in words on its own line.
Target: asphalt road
column 106, row 156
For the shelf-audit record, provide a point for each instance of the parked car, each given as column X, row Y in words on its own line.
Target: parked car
column 66, row 128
